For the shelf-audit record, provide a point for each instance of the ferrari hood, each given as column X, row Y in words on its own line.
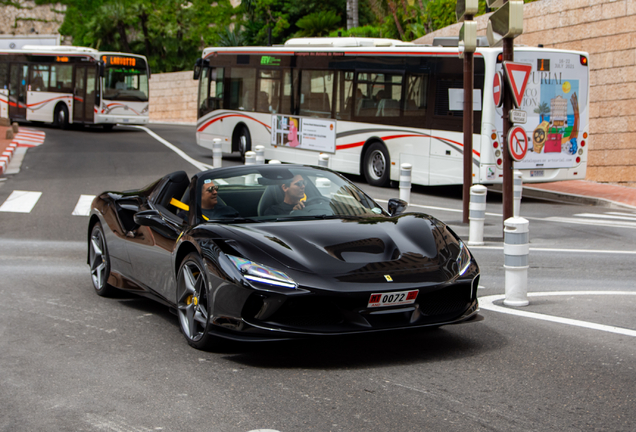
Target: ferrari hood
column 399, row 248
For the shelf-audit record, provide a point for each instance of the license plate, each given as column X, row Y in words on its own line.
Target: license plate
column 536, row 173
column 392, row 298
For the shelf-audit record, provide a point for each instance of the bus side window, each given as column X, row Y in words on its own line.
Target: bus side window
column 61, row 79
column 4, row 79
column 290, row 92
column 39, row 79
column 242, row 89
column 416, row 94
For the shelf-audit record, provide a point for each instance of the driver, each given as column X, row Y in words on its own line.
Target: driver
column 294, row 191
column 210, row 205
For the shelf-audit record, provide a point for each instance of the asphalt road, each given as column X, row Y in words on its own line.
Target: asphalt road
column 72, row 361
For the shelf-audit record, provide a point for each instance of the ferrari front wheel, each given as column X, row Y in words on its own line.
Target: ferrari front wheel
column 99, row 261
column 193, row 303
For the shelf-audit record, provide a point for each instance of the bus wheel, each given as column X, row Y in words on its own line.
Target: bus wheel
column 376, row 166
column 61, row 117
column 244, row 142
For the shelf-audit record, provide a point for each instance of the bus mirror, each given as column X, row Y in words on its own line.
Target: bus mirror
column 197, row 68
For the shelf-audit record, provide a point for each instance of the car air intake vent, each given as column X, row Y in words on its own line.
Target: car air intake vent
column 454, row 299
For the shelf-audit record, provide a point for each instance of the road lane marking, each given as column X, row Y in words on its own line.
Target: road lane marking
column 83, row 206
column 20, row 201
column 487, row 303
column 200, row 165
column 607, row 216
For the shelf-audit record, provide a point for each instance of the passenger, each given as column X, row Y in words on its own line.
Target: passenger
column 210, row 207
column 294, row 191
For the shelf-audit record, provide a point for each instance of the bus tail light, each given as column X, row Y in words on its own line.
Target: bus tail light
column 584, row 60
column 578, row 159
column 582, row 143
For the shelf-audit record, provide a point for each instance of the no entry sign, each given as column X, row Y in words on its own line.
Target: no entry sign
column 497, row 89
column 517, row 143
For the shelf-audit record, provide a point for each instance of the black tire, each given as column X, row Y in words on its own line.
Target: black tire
column 194, row 303
column 107, row 127
column 61, row 116
column 244, row 142
column 99, row 261
column 377, row 165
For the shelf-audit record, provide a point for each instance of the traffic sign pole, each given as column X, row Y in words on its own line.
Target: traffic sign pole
column 508, row 201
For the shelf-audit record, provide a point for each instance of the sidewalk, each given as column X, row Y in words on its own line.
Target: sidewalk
column 584, row 192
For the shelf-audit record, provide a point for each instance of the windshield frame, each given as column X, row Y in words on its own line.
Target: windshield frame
column 123, row 82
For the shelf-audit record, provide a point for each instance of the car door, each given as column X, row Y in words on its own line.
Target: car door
column 151, row 244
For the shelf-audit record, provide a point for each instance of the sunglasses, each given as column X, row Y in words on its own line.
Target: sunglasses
column 212, row 188
column 300, row 183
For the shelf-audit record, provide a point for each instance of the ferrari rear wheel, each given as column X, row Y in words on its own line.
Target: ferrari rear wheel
column 193, row 303
column 99, row 261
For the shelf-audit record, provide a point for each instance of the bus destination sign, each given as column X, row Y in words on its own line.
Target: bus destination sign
column 120, row 61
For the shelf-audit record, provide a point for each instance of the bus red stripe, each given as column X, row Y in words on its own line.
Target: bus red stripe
column 389, row 137
column 202, row 128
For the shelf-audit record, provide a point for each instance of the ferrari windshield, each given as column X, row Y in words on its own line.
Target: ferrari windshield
column 280, row 192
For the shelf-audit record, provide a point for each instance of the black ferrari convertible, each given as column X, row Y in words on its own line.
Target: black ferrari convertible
column 270, row 252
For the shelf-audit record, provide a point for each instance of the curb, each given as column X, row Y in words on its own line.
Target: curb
column 7, row 155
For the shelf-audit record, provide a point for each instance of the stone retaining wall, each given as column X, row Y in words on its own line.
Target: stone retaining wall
column 173, row 98
column 606, row 29
column 23, row 17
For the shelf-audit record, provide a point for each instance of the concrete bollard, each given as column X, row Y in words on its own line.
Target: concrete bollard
column 405, row 182
column 15, row 127
column 516, row 251
column 250, row 158
column 274, row 161
column 217, row 153
column 260, row 154
column 323, row 160
column 517, row 188
column 9, row 135
column 477, row 215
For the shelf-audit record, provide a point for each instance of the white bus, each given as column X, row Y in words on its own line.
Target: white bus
column 373, row 104
column 69, row 85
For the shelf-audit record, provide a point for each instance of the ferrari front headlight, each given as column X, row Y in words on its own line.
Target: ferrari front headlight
column 260, row 274
column 463, row 259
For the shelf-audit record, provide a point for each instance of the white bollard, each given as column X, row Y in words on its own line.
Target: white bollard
column 517, row 188
column 217, row 153
column 250, row 158
column 273, row 161
column 405, row 182
column 477, row 215
column 323, row 160
column 516, row 250
column 260, row 154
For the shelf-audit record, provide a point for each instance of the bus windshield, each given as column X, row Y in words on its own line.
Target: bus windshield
column 125, row 83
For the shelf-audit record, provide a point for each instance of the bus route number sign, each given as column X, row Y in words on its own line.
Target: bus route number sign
column 517, row 143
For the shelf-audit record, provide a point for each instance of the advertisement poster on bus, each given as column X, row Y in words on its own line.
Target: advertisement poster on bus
column 304, row 133
column 555, row 101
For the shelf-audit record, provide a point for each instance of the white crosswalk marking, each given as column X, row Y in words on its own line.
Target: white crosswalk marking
column 83, row 206
column 608, row 219
column 20, row 202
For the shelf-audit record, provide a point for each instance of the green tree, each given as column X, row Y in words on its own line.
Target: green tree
column 317, row 24
column 170, row 33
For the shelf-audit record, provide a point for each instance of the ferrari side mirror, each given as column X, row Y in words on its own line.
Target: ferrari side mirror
column 397, row 206
column 149, row 218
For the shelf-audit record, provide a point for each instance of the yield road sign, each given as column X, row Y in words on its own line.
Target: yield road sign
column 517, row 75
column 517, row 143
column 497, row 89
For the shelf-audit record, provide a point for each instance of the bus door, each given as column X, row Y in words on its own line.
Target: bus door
column 18, row 90
column 79, row 94
column 91, row 94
